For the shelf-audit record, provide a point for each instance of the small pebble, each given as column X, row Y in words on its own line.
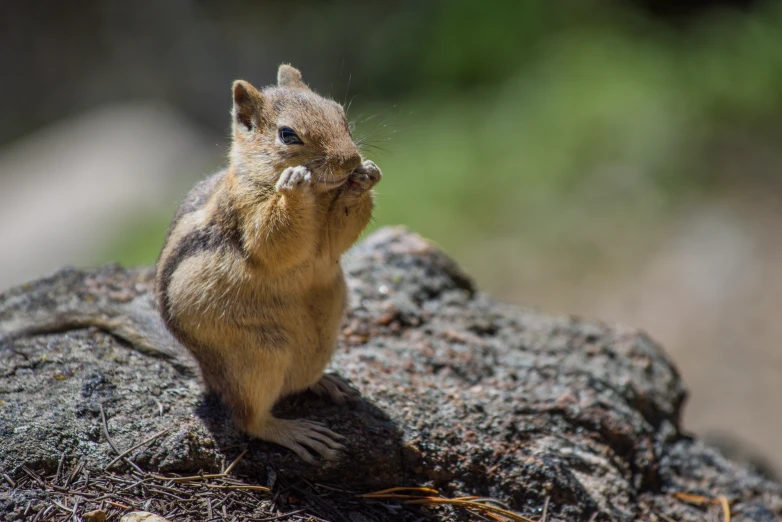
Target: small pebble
column 94, row 516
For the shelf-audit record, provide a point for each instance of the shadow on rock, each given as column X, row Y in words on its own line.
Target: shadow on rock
column 373, row 445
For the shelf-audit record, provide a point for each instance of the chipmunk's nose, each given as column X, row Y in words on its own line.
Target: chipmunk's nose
column 348, row 162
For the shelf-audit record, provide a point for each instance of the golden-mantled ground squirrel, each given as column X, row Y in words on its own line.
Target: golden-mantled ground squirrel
column 249, row 278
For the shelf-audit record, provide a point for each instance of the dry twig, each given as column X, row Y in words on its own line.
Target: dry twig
column 139, row 445
column 205, row 476
column 482, row 505
column 700, row 500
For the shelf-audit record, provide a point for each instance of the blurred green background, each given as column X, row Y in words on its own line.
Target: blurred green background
column 519, row 121
column 616, row 159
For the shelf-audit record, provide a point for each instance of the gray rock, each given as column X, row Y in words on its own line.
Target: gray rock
column 458, row 392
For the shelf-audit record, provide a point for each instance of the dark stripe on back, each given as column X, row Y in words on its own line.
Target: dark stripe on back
column 223, row 232
column 195, row 199
column 211, row 238
column 194, row 242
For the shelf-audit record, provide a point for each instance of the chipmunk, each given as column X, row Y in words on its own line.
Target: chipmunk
column 249, row 278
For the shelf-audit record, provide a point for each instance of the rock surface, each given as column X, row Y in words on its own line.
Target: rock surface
column 458, row 392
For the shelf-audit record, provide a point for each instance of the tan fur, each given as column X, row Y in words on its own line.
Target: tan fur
column 249, row 278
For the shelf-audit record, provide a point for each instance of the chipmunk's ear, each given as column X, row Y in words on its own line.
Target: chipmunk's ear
column 248, row 103
column 290, row 77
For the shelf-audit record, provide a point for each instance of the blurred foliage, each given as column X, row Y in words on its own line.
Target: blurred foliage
column 608, row 123
column 549, row 121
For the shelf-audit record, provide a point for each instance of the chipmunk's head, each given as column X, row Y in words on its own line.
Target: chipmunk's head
column 288, row 125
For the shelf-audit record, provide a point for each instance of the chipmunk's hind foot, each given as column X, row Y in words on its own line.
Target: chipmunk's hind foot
column 335, row 388
column 300, row 434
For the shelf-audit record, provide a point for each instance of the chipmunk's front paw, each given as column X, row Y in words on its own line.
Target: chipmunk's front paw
column 294, row 178
column 366, row 176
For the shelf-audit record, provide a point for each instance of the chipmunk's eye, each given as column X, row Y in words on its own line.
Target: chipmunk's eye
column 288, row 136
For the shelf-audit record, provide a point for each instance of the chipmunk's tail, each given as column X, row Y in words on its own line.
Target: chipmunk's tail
column 72, row 299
